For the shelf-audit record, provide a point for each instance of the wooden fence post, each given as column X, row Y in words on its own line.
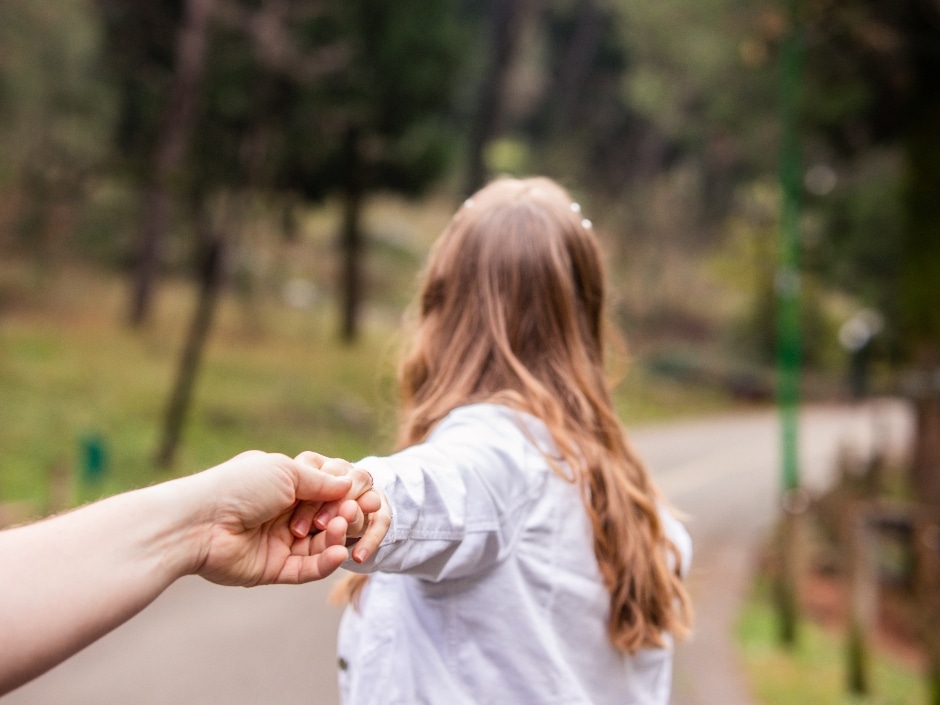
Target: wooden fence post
column 863, row 596
column 927, row 547
column 791, row 553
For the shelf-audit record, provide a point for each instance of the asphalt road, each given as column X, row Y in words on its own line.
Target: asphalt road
column 202, row 644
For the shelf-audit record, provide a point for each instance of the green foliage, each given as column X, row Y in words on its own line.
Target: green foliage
column 920, row 238
column 691, row 74
column 276, row 110
column 583, row 125
column 857, row 246
column 871, row 67
column 507, row 156
column 873, row 81
column 54, row 113
column 704, row 75
column 748, row 264
column 137, row 53
column 381, row 121
column 289, row 102
column 658, row 114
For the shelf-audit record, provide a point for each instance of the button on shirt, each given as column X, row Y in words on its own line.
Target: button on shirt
column 486, row 589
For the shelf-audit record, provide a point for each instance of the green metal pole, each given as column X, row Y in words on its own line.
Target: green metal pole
column 788, row 318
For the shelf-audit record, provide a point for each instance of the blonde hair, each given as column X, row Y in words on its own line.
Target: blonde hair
column 512, row 311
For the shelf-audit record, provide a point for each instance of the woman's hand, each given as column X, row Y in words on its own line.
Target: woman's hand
column 365, row 510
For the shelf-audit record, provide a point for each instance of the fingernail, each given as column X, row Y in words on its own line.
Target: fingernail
column 300, row 529
column 360, row 555
column 322, row 519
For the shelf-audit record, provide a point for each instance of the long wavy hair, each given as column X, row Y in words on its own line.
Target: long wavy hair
column 512, row 311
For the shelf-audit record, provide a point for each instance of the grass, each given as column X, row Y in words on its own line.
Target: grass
column 644, row 397
column 70, row 370
column 814, row 670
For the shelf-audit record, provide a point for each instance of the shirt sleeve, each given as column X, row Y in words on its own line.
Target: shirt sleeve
column 458, row 501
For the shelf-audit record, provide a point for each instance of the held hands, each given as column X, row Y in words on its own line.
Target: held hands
column 367, row 518
column 251, row 506
column 79, row 575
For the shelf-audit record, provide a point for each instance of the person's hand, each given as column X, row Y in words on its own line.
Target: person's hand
column 370, row 535
column 365, row 510
column 249, row 503
column 311, row 518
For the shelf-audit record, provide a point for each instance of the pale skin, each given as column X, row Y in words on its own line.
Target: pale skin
column 309, row 517
column 71, row 579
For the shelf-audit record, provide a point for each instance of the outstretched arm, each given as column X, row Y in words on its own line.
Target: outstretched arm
column 68, row 580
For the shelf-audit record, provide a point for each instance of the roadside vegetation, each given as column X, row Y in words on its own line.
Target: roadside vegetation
column 814, row 670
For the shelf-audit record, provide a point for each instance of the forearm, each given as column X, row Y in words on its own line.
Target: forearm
column 446, row 521
column 70, row 579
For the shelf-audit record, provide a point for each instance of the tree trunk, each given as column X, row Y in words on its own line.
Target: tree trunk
column 155, row 221
column 351, row 239
column 927, row 552
column 507, row 18
column 925, row 461
column 169, row 157
column 576, row 67
column 920, row 273
column 352, row 247
column 211, row 276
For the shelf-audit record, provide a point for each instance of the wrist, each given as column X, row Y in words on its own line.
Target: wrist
column 186, row 533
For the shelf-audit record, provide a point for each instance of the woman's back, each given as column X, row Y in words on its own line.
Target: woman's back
column 527, row 561
column 487, row 588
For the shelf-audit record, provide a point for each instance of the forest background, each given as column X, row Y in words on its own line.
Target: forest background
column 213, row 212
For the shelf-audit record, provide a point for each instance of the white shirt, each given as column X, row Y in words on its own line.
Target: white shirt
column 488, row 590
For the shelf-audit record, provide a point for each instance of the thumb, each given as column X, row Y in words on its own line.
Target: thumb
column 318, row 486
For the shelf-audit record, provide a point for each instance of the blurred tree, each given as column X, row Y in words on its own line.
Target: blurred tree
column 380, row 124
column 157, row 53
column 636, row 100
column 211, row 280
column 167, row 164
column 586, row 125
column 263, row 62
column 702, row 76
column 282, row 99
column 859, row 213
column 54, row 111
column 662, row 113
column 875, row 76
column 506, row 22
column 276, row 112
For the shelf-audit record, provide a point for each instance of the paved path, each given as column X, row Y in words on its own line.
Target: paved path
column 203, row 644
